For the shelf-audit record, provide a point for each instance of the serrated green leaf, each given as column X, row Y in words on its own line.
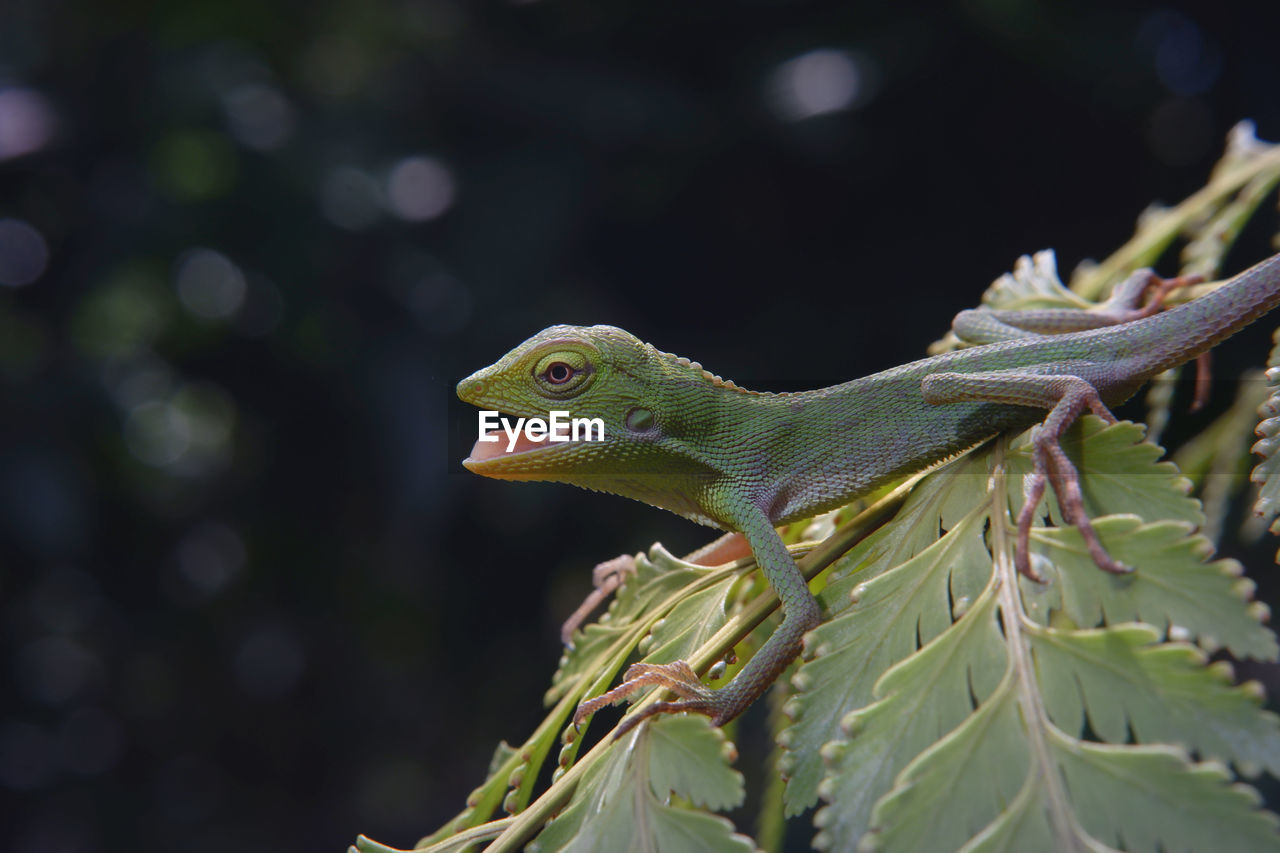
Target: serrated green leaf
column 1171, row 585
column 962, row 783
column 691, row 623
column 691, row 760
column 1141, row 797
column 1267, row 473
column 1119, row 473
column 1024, row 825
column 1150, row 798
column 659, row 574
column 936, row 504
column 624, row 802
column 1163, row 692
column 929, row 694
column 901, row 757
column 893, row 612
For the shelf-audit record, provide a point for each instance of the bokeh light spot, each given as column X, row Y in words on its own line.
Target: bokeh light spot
column 26, row 122
column 122, row 317
column 136, row 380
column 1186, row 63
column 157, row 433
column 209, row 284
column 189, row 434
column 23, row 253
column 420, row 189
column 819, row 82
column 194, row 165
column 260, row 116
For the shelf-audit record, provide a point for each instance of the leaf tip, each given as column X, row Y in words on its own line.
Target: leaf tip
column 1255, row 690
column 1261, row 611
column 801, row 681
column 1222, row 670
column 851, row 723
column 1230, row 568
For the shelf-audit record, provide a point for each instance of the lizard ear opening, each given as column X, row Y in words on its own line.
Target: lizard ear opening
column 639, row 420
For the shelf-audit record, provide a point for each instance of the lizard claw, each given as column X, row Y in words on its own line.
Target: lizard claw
column 678, row 677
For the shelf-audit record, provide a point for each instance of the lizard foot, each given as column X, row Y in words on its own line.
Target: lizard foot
column 678, row 677
column 1066, row 397
column 1050, row 463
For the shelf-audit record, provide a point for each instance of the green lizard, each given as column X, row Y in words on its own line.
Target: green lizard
column 680, row 438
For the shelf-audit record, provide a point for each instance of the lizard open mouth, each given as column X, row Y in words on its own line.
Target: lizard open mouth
column 510, row 452
column 498, row 443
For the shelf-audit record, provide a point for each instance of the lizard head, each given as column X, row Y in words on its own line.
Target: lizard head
column 592, row 373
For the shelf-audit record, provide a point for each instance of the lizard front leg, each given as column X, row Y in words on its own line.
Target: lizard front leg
column 1066, row 397
column 800, row 614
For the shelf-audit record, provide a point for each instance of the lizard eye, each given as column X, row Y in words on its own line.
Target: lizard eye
column 558, row 373
column 563, row 373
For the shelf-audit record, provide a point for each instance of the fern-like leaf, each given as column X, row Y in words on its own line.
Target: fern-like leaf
column 881, row 611
column 1267, row 474
column 659, row 576
column 625, row 802
column 962, row 691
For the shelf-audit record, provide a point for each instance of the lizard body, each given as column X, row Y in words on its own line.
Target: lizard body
column 680, row 438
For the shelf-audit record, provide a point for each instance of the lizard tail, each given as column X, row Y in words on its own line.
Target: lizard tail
column 1179, row 334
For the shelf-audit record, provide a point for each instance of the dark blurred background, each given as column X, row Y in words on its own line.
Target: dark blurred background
column 249, row 600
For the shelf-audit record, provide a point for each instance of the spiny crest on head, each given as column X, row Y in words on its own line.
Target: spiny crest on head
column 622, row 336
column 714, row 379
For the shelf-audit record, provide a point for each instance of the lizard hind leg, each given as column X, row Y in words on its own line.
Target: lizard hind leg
column 991, row 325
column 605, row 579
column 1066, row 397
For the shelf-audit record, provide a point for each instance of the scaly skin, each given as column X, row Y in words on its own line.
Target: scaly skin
column 679, row 438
